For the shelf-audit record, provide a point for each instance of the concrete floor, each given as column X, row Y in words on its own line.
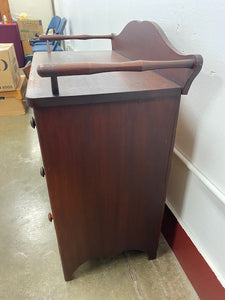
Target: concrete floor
column 30, row 266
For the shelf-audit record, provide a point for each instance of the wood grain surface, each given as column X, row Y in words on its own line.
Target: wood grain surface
column 106, row 167
column 106, row 142
column 82, row 89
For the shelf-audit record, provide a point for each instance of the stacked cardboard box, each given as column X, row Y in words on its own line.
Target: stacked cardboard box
column 12, row 85
column 12, row 102
column 28, row 29
column 27, row 48
column 9, row 70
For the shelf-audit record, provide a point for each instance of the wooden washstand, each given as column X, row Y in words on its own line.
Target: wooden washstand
column 106, row 122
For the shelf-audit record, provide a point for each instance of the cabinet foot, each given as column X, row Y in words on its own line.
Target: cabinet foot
column 68, row 277
column 151, row 254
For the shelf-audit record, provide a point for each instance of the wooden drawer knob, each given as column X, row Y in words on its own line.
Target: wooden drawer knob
column 42, row 171
column 50, row 217
column 32, row 122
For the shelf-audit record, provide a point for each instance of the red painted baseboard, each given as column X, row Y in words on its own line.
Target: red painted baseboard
column 197, row 270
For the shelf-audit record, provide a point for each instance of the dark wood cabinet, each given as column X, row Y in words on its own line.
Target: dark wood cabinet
column 106, row 141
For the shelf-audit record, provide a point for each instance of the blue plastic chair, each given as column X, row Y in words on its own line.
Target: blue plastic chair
column 53, row 25
column 55, row 46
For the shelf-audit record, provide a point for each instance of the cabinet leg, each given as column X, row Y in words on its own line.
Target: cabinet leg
column 68, row 272
column 70, row 268
column 68, row 277
column 152, row 255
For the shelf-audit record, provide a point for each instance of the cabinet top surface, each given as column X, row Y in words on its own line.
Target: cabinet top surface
column 79, row 88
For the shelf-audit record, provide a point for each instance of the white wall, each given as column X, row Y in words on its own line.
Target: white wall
column 193, row 27
column 39, row 10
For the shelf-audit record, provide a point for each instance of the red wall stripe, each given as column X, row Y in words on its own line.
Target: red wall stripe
column 197, row 270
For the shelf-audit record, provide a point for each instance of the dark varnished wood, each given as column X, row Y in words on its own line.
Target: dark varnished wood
column 106, row 167
column 87, row 68
column 154, row 46
column 60, row 37
column 84, row 89
column 50, row 217
column 106, row 142
column 49, row 70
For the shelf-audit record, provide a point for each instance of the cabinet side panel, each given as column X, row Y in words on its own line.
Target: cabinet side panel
column 106, row 167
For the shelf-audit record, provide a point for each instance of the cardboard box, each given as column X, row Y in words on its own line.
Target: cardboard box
column 19, row 92
column 27, row 48
column 12, row 107
column 9, row 71
column 12, row 103
column 28, row 28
